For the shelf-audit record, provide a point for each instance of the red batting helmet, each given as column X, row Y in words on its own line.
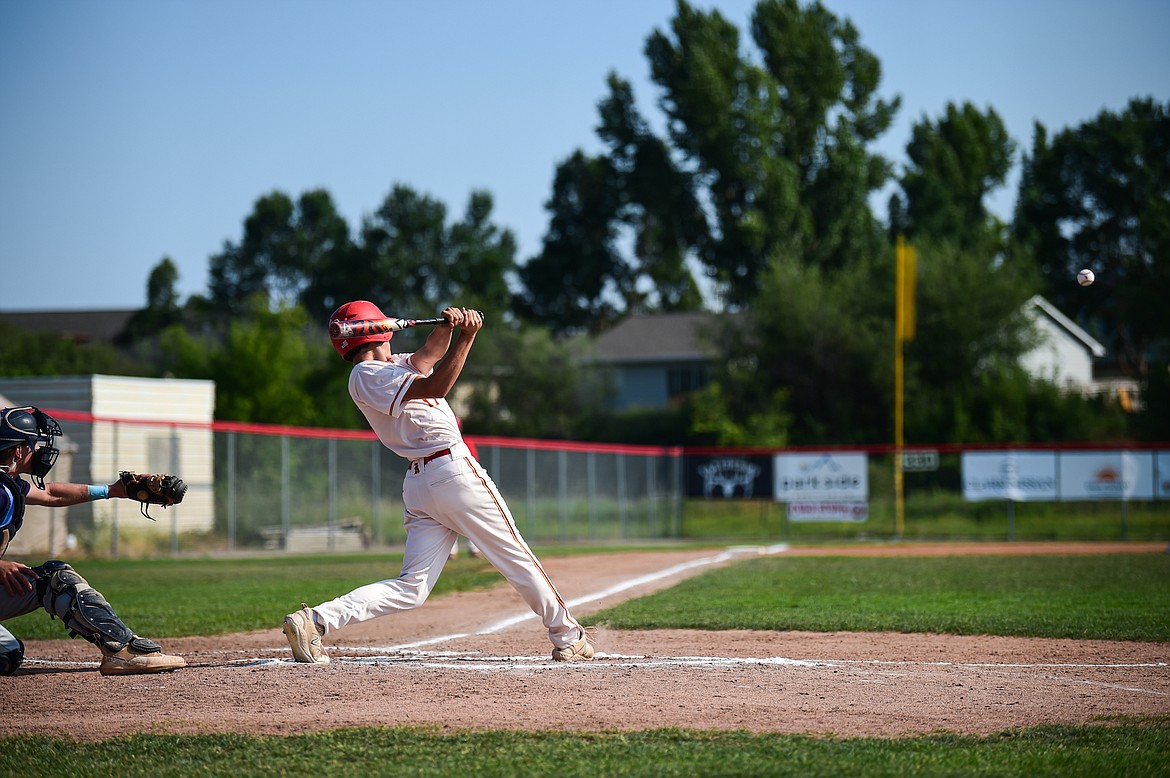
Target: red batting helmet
column 356, row 311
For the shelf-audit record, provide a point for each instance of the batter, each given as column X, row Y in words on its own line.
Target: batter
column 446, row 492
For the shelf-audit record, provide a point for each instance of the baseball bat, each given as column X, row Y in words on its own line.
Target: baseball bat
column 360, row 327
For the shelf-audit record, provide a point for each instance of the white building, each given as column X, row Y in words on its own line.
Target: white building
column 1063, row 352
column 147, row 425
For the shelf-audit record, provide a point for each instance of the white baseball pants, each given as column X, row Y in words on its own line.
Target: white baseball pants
column 450, row 496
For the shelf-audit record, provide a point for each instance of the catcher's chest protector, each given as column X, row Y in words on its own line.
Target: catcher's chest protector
column 13, row 517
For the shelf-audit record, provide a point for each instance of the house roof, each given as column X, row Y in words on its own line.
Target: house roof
column 78, row 326
column 1049, row 310
column 663, row 337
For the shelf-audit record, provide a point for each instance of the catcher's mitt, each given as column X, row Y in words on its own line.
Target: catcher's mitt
column 153, row 489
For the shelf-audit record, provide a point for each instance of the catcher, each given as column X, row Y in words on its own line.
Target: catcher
column 26, row 447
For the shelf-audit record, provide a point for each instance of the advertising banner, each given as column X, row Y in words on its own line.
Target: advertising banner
column 727, row 477
column 821, row 477
column 1009, row 475
column 1107, row 475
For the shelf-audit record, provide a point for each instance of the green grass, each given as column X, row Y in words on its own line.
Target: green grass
column 1136, row 748
column 1115, row 596
column 932, row 516
column 174, row 598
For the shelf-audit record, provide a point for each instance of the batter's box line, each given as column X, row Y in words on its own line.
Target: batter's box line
column 997, row 665
column 643, row 659
column 399, row 654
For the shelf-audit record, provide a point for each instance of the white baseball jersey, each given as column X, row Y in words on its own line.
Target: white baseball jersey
column 411, row 430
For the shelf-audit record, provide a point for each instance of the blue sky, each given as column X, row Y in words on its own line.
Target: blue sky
column 137, row 129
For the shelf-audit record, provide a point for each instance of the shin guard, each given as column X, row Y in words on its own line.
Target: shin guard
column 69, row 597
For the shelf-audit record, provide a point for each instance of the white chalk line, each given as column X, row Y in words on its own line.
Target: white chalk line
column 477, row 660
column 641, row 580
column 1101, row 684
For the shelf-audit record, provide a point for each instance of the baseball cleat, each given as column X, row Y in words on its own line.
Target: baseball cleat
column 304, row 637
column 580, row 650
column 131, row 662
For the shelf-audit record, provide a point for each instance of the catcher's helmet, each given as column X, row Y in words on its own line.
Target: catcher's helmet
column 356, row 311
column 32, row 427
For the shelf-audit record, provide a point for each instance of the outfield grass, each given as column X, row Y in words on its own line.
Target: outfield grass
column 1135, row 748
column 1114, row 596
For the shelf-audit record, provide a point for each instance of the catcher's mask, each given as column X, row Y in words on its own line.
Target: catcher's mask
column 32, row 427
column 356, row 311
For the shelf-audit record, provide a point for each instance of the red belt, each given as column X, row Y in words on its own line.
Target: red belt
column 435, row 455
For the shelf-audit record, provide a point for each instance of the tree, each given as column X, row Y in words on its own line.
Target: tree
column 657, row 201
column 760, row 160
column 409, row 262
column 780, row 149
column 26, row 352
column 954, row 164
column 404, row 244
column 971, row 333
column 826, row 353
column 714, row 422
column 1006, row 406
column 579, row 279
column 827, row 86
column 1098, row 196
column 822, row 362
column 483, row 257
column 162, row 305
column 720, row 111
column 523, row 381
column 284, row 246
column 261, row 367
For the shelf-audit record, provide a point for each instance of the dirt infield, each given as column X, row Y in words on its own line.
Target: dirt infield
column 477, row 660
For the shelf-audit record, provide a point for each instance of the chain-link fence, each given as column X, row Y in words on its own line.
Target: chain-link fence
column 270, row 488
column 296, row 494
column 256, row 488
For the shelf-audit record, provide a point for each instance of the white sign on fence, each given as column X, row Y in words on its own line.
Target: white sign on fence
column 920, row 461
column 1107, row 475
column 820, row 477
column 1009, row 475
column 828, row 511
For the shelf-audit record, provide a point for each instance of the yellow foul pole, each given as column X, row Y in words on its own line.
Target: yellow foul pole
column 904, row 330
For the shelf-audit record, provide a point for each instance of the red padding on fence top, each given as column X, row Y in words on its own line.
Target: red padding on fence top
column 609, row 448
column 569, row 445
column 219, row 426
column 292, row 432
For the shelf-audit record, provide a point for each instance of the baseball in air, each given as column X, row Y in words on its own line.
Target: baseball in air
column 1086, row 277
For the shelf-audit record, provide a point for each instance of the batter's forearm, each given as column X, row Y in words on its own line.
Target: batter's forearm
column 432, row 349
column 440, row 382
